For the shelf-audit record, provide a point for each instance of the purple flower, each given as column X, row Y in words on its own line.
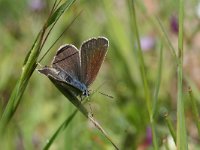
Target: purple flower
column 147, row 140
column 148, row 136
column 147, row 43
column 36, row 5
column 174, row 24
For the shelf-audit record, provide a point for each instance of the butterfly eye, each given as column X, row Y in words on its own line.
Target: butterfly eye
column 85, row 93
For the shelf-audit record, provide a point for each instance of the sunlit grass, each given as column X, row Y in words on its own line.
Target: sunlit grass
column 144, row 84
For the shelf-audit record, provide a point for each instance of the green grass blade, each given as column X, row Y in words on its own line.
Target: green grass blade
column 172, row 49
column 53, row 18
column 19, row 88
column 155, row 99
column 181, row 127
column 61, row 128
column 143, row 75
column 195, row 110
column 68, row 26
column 166, row 144
column 170, row 127
column 57, row 14
column 77, row 103
column 30, row 63
column 71, row 97
column 141, row 61
column 29, row 52
column 157, row 87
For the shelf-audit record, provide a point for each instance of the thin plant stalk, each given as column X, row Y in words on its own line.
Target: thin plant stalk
column 194, row 110
column 181, row 127
column 61, row 128
column 172, row 49
column 74, row 19
column 170, row 127
column 157, row 86
column 144, row 77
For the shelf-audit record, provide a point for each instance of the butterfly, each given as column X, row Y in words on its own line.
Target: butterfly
column 74, row 70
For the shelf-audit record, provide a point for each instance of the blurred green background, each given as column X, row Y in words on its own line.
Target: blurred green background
column 125, row 117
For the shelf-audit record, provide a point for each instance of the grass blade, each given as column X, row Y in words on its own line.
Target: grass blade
column 61, row 128
column 168, row 41
column 77, row 103
column 194, row 110
column 170, row 127
column 74, row 19
column 20, row 87
column 30, row 63
column 141, row 60
column 157, row 87
column 57, row 14
column 143, row 75
column 181, row 127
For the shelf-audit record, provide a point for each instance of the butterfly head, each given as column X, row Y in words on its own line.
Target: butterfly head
column 86, row 92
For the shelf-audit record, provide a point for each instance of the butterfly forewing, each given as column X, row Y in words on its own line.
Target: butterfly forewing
column 92, row 52
column 67, row 58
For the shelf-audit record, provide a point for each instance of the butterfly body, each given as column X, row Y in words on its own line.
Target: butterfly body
column 64, row 78
column 74, row 70
column 78, row 85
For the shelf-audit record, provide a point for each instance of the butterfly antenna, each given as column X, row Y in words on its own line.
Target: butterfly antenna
column 106, row 95
column 97, row 90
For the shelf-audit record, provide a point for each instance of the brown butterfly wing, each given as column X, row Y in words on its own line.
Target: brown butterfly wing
column 67, row 58
column 93, row 53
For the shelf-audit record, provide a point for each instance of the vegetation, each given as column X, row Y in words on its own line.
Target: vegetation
column 151, row 70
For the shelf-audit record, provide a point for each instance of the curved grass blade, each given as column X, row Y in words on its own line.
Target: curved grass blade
column 65, row 124
column 51, row 17
column 20, row 87
column 62, row 127
column 98, row 126
column 194, row 110
column 77, row 103
column 143, row 73
column 157, row 86
column 74, row 19
column 30, row 64
column 57, row 14
column 71, row 97
column 170, row 127
column 182, row 143
column 172, row 50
